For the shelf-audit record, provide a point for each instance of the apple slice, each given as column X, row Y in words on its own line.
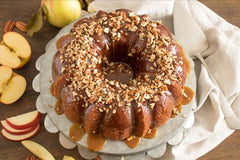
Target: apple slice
column 6, row 74
column 25, row 120
column 17, row 138
column 37, row 149
column 14, row 131
column 9, row 58
column 15, row 51
column 68, row 158
column 14, row 89
column 18, row 43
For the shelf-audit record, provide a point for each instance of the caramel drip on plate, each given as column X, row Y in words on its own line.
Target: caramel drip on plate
column 179, row 108
column 187, row 95
column 76, row 132
column 58, row 107
column 133, row 142
column 95, row 142
column 151, row 133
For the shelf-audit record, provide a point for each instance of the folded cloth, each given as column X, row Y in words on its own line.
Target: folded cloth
column 214, row 120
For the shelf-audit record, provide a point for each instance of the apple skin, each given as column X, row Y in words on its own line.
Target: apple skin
column 14, row 131
column 62, row 12
column 17, row 138
column 27, row 125
column 23, row 62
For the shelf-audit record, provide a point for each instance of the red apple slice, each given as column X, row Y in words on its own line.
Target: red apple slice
column 25, row 120
column 14, row 131
column 17, row 138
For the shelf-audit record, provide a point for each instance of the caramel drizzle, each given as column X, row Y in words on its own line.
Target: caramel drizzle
column 132, row 142
column 76, row 132
column 95, row 142
column 58, row 107
column 187, row 95
column 151, row 133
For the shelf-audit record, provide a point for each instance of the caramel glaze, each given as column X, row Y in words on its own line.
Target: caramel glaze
column 120, row 72
column 187, row 98
column 133, row 142
column 151, row 133
column 76, row 132
column 123, row 122
column 187, row 95
column 63, row 40
column 95, row 142
column 58, row 107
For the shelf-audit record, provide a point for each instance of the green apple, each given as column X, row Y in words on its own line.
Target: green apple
column 61, row 12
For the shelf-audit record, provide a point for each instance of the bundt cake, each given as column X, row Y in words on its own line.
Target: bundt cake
column 119, row 74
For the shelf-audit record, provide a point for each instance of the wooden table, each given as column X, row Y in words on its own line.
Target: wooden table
column 21, row 10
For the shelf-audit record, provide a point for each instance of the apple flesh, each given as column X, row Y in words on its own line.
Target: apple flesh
column 6, row 74
column 8, row 58
column 18, row 43
column 37, row 149
column 24, row 121
column 14, row 131
column 13, row 90
column 60, row 13
column 68, row 158
column 15, row 50
column 17, row 138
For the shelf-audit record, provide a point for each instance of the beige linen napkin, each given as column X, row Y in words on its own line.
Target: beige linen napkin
column 213, row 120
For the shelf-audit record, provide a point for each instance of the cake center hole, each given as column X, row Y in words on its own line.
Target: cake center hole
column 119, row 71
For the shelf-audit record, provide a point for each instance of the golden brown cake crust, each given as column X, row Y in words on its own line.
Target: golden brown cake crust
column 119, row 74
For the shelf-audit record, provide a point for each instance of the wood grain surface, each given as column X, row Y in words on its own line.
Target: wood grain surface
column 22, row 10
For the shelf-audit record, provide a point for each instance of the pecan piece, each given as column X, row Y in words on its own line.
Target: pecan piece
column 9, row 26
column 21, row 26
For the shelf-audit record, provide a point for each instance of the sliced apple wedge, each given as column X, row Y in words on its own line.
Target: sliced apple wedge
column 17, row 138
column 37, row 149
column 18, row 43
column 25, row 120
column 68, row 158
column 14, row 131
column 15, row 51
column 13, row 90
column 9, row 58
column 6, row 74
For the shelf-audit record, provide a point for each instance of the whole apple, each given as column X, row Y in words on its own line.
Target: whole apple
column 62, row 12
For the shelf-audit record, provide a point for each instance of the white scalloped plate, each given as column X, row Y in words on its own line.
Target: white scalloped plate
column 164, row 133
